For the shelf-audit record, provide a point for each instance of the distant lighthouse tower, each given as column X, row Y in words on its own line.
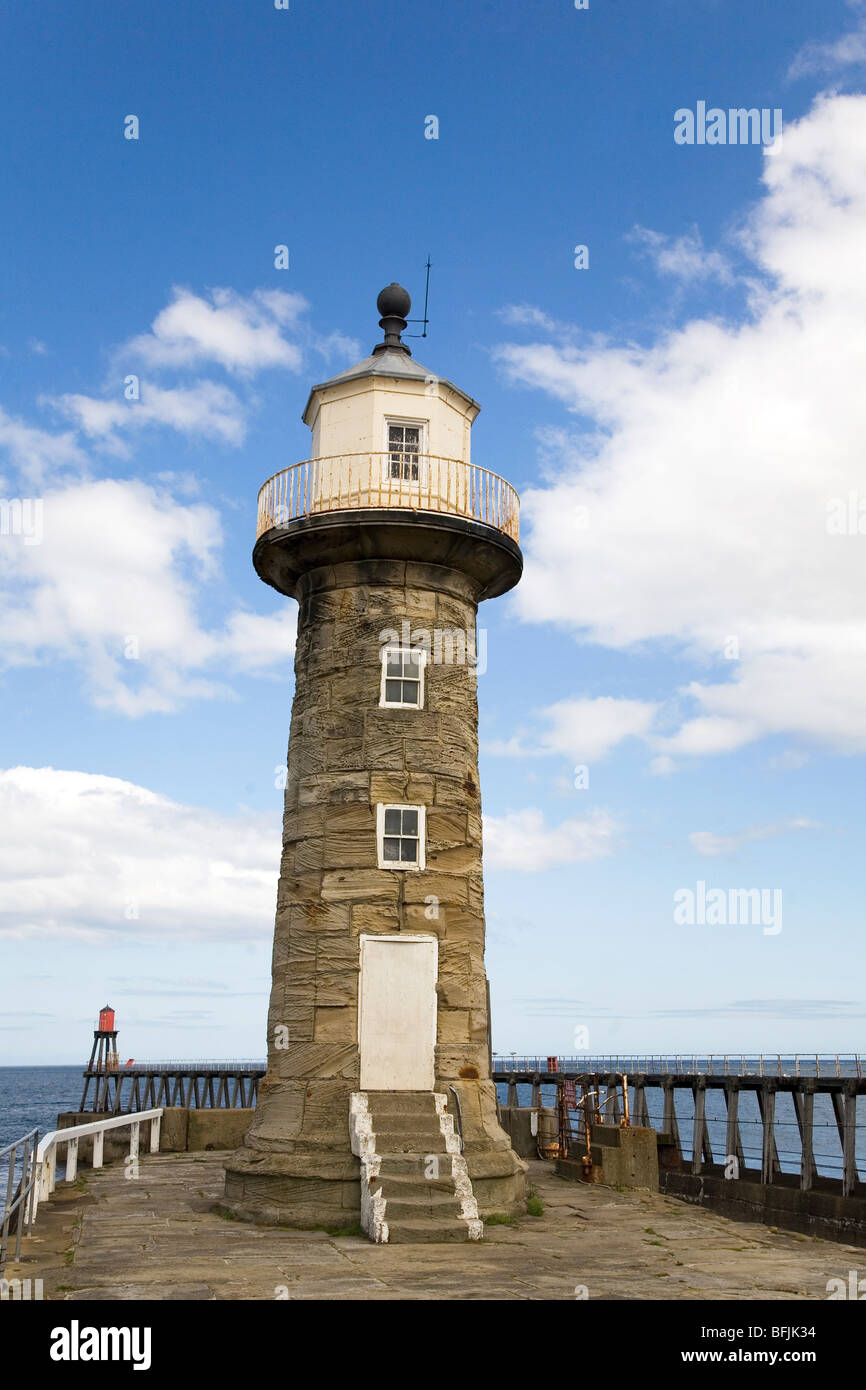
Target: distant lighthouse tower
column 378, row 1103
column 102, row 1067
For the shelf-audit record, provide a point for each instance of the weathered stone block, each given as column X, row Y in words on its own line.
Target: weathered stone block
column 419, row 789
column 337, row 988
column 389, row 786
column 375, row 917
column 419, row 885
column 356, row 885
column 445, row 829
column 336, row 1024
column 334, row 788
column 343, row 754
column 318, row 1059
column 460, row 860
column 454, row 792
column 453, row 1026
column 350, row 851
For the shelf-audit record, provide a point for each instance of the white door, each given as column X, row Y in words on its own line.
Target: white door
column 397, row 1023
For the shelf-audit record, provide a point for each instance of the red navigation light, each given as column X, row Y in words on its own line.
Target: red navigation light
column 106, row 1020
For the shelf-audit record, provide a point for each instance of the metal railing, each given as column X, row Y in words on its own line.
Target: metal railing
column 345, row 482
column 19, row 1201
column 172, row 1064
column 817, row 1064
column 46, row 1154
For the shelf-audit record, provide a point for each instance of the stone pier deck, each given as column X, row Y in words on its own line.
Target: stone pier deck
column 160, row 1238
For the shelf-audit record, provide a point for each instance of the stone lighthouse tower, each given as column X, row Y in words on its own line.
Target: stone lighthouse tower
column 378, row 1103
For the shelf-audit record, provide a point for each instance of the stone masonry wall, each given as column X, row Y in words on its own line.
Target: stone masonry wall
column 345, row 756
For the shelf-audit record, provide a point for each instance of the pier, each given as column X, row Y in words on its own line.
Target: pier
column 161, row 1237
column 760, row 1138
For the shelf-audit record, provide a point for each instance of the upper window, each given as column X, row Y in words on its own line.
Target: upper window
column 405, row 446
column 402, row 678
column 401, row 831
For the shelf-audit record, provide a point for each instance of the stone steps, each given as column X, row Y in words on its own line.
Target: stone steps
column 414, row 1184
column 439, row 1205
column 413, row 1139
column 429, row 1232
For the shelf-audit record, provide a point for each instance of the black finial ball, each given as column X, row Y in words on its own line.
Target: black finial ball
column 394, row 302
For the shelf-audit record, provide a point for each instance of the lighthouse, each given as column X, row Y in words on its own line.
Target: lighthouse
column 378, row 1105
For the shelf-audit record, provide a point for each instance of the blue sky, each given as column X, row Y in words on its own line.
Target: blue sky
column 681, row 419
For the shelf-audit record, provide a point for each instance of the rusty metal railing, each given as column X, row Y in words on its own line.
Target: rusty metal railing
column 411, row 482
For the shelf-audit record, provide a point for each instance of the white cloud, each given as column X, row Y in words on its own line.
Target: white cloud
column 242, row 334
column 684, row 257
column 702, row 498
column 36, row 453
column 711, row 845
column 833, row 56
column 125, row 568
column 528, row 316
column 206, row 409
column 126, row 860
column 521, row 840
column 584, row 730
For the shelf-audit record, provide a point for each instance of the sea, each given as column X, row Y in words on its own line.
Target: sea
column 32, row 1098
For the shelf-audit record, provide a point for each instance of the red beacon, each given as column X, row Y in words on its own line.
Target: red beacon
column 106, row 1020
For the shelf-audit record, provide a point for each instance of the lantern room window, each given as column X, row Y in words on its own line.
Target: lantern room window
column 404, row 447
column 401, row 835
column 402, row 678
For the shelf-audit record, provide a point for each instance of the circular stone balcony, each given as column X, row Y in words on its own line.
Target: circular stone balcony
column 388, row 506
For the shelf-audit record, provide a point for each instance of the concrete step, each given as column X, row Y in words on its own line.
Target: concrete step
column 412, row 1165
column 431, row 1204
column 381, row 1103
column 423, row 1230
column 408, row 1184
column 410, row 1141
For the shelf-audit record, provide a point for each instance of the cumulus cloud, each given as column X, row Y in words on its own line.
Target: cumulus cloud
column 35, row 453
column 126, row 860
column 240, row 333
column 118, row 586
column 207, row 410
column 522, row 840
column 684, row 257
column 582, row 729
column 698, row 510
column 849, row 50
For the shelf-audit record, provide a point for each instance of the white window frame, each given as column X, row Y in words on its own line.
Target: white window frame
column 384, row 702
column 384, row 863
column 421, row 426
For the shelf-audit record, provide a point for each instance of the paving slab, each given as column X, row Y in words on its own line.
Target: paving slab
column 109, row 1238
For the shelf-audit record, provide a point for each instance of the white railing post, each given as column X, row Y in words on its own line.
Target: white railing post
column 135, row 1129
column 98, row 1143
column 71, row 1160
column 46, row 1179
column 154, row 1134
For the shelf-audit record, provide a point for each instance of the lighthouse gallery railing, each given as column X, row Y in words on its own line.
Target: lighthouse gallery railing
column 345, row 482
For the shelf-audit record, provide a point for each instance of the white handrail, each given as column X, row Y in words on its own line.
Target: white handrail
column 46, row 1154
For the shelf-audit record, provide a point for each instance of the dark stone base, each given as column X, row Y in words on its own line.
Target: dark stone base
column 821, row 1212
